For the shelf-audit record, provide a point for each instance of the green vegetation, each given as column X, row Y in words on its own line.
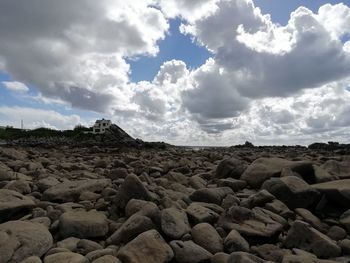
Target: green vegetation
column 14, row 134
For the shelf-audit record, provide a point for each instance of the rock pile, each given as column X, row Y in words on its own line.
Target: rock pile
column 113, row 205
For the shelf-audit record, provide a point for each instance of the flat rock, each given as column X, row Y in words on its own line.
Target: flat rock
column 244, row 257
column 338, row 191
column 293, row 191
column 146, row 247
column 200, row 214
column 71, row 190
column 132, row 188
column 12, row 202
column 263, row 169
column 257, row 223
column 189, row 252
column 234, row 184
column 83, row 224
column 302, row 235
column 107, row 259
column 21, row 239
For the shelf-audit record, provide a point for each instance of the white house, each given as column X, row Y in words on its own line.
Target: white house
column 101, row 126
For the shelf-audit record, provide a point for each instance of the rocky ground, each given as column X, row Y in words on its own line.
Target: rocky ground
column 228, row 205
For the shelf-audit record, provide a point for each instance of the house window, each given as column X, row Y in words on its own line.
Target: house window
column 104, row 124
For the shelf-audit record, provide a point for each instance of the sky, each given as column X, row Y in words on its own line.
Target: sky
column 187, row 72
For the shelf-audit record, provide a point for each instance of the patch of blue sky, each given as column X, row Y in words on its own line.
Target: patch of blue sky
column 175, row 46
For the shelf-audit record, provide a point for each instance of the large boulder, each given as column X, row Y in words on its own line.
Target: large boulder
column 83, row 224
column 337, row 191
column 21, row 239
column 302, row 235
column 146, row 247
column 230, row 168
column 174, row 223
column 256, row 223
column 12, row 202
column 132, row 188
column 70, row 191
column 339, row 169
column 263, row 169
column 293, row 191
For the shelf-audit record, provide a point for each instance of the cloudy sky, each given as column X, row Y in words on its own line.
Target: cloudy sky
column 188, row 72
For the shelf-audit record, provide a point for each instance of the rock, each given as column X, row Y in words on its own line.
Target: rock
column 235, row 242
column 345, row 246
column 207, row 237
column 256, row 223
column 322, row 175
column 340, row 170
column 336, row 191
column 107, row 259
column 211, row 195
column 21, row 239
column 311, row 219
column 220, row 258
column 244, row 257
column 200, row 214
column 299, row 259
column 270, row 252
column 197, row 182
column 292, row 191
column 234, row 184
column 230, row 168
column 85, row 246
column 336, row 233
column 69, row 243
column 96, row 254
column 345, row 220
column 32, row 259
column 135, row 225
column 174, row 223
column 189, row 252
column 263, row 169
column 71, row 190
column 47, row 183
column 258, row 199
column 20, row 186
column 132, row 188
column 64, row 257
column 302, row 235
column 146, row 247
column 83, row 224
column 12, row 202
column 143, row 208
column 279, row 208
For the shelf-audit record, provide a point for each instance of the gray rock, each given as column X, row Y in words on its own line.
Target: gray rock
column 71, row 190
column 135, row 225
column 107, row 259
column 21, row 239
column 244, row 257
column 259, row 199
column 132, row 188
column 345, row 220
column 234, row 184
column 69, row 243
column 20, row 186
column 33, row 259
column 64, row 257
column 270, row 252
column 200, row 214
column 313, row 220
column 189, row 252
column 83, row 224
column 146, row 247
column 211, row 195
column 206, row 236
column 345, row 246
column 235, row 242
column 292, row 191
column 85, row 246
column 263, row 169
column 336, row 233
column 93, row 255
column 47, row 183
column 336, row 191
column 230, row 168
column 257, row 222
column 12, row 202
column 174, row 223
column 302, row 235
column 220, row 258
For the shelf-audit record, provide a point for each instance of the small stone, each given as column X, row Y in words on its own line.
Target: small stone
column 174, row 223
column 336, row 233
column 189, row 252
column 235, row 242
column 206, row 236
column 64, row 257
